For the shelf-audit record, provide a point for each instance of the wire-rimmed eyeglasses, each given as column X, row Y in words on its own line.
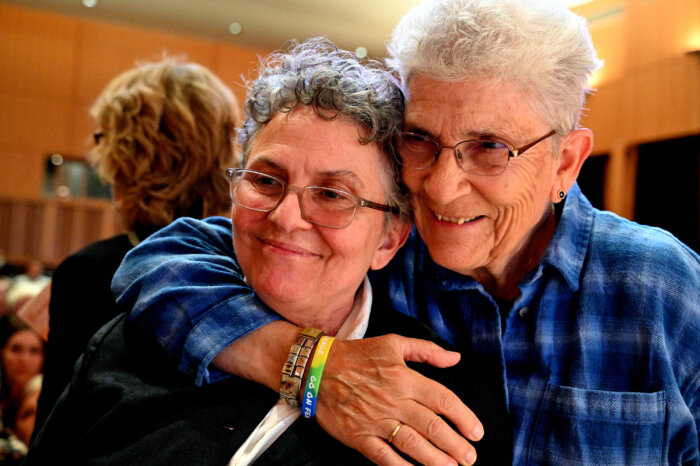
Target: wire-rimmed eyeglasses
column 320, row 205
column 475, row 156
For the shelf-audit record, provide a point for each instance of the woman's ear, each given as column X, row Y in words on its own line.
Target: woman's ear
column 395, row 236
column 573, row 151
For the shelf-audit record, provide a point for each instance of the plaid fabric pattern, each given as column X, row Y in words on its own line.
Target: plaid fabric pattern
column 600, row 352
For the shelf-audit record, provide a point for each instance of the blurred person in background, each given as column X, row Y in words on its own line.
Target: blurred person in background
column 166, row 135
column 22, row 358
column 25, row 286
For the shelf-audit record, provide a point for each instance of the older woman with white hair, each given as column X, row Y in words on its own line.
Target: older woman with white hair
column 592, row 321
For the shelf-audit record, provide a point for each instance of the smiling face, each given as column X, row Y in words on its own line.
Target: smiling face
column 307, row 273
column 482, row 225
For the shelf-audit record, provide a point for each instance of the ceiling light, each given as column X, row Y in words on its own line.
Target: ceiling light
column 56, row 159
column 89, row 3
column 235, row 28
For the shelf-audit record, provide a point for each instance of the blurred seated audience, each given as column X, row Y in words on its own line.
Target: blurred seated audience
column 26, row 285
column 166, row 135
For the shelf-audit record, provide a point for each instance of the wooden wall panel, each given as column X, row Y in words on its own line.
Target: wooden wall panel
column 34, row 123
column 37, row 52
column 54, row 66
column 21, row 171
column 609, row 41
column 600, row 116
column 663, row 101
column 659, row 30
column 107, row 49
column 649, row 88
column 234, row 66
column 51, row 229
column 80, row 129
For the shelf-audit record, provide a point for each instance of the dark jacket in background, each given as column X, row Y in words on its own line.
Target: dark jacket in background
column 81, row 303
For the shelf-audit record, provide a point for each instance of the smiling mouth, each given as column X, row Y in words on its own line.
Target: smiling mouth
column 457, row 220
column 288, row 249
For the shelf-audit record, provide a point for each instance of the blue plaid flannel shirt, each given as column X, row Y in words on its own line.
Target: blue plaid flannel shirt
column 601, row 351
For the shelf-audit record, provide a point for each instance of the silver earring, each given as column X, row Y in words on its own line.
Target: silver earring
column 561, row 194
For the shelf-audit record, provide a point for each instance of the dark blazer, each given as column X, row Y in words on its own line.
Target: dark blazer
column 81, row 302
column 127, row 405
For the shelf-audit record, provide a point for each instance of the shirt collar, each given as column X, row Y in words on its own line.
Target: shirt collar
column 567, row 248
column 355, row 324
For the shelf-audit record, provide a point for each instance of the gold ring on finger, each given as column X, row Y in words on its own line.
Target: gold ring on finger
column 395, row 431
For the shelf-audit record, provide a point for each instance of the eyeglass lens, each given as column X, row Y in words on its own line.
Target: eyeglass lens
column 478, row 157
column 319, row 205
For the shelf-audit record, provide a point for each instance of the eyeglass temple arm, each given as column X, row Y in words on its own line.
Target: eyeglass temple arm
column 520, row 150
column 374, row 205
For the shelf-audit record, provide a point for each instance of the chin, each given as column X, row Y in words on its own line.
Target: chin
column 281, row 297
column 453, row 257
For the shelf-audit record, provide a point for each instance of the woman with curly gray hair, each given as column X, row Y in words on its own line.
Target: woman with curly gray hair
column 316, row 205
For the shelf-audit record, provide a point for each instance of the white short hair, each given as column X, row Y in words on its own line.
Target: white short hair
column 538, row 46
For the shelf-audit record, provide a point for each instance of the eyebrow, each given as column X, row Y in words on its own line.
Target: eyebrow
column 339, row 175
column 343, row 175
column 266, row 161
column 465, row 136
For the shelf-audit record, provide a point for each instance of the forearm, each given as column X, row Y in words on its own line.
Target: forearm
column 259, row 356
column 183, row 286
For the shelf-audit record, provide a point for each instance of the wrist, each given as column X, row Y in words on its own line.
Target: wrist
column 295, row 367
column 268, row 347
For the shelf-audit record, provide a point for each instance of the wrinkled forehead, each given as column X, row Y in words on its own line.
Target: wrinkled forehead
column 468, row 107
column 307, row 114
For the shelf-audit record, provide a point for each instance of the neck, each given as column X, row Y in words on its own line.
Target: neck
column 503, row 283
column 330, row 320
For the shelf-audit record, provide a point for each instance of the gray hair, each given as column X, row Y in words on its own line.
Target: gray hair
column 538, row 46
column 337, row 85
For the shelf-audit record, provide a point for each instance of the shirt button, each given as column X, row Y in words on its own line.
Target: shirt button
column 522, row 312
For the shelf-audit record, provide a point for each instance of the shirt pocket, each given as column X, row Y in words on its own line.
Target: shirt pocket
column 578, row 426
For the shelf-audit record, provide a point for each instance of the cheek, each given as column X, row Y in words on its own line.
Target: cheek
column 37, row 359
column 355, row 245
column 519, row 204
column 10, row 359
column 245, row 220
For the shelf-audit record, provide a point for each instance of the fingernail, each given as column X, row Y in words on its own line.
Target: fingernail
column 478, row 432
column 471, row 457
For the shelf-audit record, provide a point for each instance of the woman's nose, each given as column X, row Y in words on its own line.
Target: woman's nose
column 287, row 216
column 446, row 180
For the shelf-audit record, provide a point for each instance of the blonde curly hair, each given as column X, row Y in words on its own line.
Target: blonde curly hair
column 168, row 134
